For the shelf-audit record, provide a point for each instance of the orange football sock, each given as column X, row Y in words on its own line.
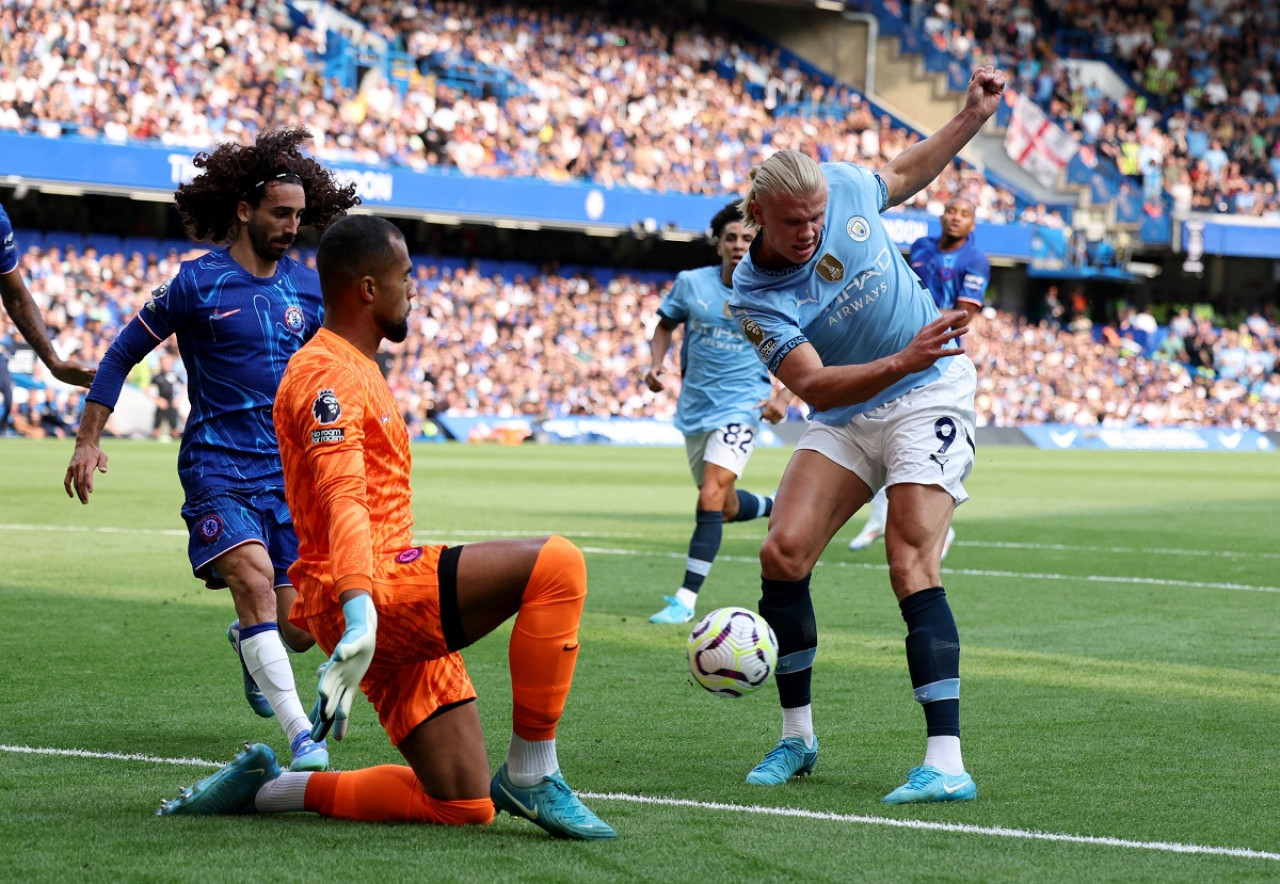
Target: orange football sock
column 544, row 639
column 388, row 793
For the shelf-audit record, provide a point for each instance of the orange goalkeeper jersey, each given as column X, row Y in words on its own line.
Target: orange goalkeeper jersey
column 345, row 451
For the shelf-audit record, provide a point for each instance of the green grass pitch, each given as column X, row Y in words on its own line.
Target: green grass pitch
column 1121, row 702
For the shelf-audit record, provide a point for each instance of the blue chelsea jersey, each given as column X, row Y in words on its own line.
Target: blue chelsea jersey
column 961, row 274
column 722, row 380
column 235, row 333
column 855, row 300
column 8, row 245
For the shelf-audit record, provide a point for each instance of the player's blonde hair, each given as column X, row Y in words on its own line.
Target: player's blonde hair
column 787, row 172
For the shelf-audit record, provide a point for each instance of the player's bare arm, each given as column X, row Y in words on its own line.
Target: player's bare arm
column 658, row 346
column 88, row 457
column 835, row 386
column 970, row 309
column 774, row 409
column 22, row 309
column 910, row 171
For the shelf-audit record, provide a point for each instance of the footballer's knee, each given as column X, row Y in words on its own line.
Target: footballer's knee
column 254, row 598
column 783, row 558
column 560, row 571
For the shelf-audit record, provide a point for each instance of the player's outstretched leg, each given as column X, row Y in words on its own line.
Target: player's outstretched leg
column 257, row 700
column 927, row 784
column 550, row 804
column 231, row 789
column 790, row 758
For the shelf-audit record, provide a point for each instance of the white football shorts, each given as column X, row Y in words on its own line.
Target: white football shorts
column 925, row 437
column 729, row 446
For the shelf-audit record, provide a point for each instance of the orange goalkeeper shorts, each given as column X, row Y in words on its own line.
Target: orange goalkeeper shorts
column 413, row 673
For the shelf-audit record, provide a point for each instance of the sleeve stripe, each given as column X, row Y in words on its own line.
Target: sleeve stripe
column 148, row 328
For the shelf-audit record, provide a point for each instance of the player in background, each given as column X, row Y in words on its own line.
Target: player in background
column 956, row 273
column 724, row 392
column 835, row 312
column 394, row 615
column 238, row 313
column 24, row 312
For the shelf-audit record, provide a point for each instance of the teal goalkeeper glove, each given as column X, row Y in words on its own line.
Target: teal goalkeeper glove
column 340, row 676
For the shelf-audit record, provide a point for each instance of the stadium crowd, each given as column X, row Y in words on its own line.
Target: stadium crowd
column 573, row 94
column 583, row 100
column 550, row 344
column 1201, row 121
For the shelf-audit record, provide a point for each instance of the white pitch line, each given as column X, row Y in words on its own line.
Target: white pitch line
column 1102, row 578
column 964, row 828
column 624, row 535
column 114, row 756
column 974, row 572
column 862, row 566
column 798, row 813
column 1130, row 550
column 93, row 529
column 971, row 572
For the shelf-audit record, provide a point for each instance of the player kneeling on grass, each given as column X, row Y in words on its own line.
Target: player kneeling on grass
column 393, row 615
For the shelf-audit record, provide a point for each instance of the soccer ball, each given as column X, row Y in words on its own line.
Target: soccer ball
column 732, row 651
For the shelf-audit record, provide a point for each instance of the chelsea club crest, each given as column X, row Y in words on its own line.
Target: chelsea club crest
column 293, row 318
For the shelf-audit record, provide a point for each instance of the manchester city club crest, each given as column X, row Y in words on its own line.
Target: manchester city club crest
column 326, row 409
column 858, row 229
column 293, row 319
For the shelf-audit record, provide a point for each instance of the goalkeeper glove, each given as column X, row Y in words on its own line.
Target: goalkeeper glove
column 340, row 676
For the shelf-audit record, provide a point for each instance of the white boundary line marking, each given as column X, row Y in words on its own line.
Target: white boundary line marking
column 964, row 828
column 114, row 756
column 857, row 819
column 624, row 535
column 971, row 572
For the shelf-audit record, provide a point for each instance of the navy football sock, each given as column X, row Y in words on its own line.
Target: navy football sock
column 933, row 658
column 703, row 547
column 752, row 506
column 788, row 607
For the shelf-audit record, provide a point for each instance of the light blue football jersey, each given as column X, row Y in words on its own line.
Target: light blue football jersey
column 855, row 300
column 722, row 380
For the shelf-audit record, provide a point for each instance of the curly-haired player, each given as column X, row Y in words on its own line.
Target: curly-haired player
column 238, row 313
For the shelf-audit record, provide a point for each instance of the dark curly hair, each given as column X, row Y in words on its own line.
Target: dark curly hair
column 235, row 172
column 726, row 216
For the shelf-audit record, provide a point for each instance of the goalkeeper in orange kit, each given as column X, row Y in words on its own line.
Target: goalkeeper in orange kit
column 392, row 615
